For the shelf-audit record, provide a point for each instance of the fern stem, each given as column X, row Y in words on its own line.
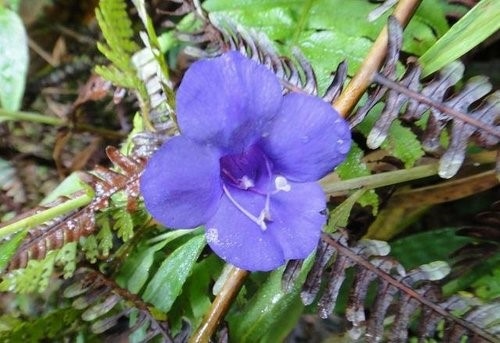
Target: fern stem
column 382, row 80
column 220, row 306
column 364, row 77
column 81, row 198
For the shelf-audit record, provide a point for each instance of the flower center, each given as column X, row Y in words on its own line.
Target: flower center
column 252, row 171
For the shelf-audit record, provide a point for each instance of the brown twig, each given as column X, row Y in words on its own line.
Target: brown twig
column 373, row 61
column 220, row 306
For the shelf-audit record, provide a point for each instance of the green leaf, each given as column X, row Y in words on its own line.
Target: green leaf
column 488, row 287
column 66, row 257
column 417, row 249
column 401, row 142
column 326, row 49
column 136, row 269
column 13, row 59
column 124, row 224
column 326, row 31
column 339, row 216
column 274, row 18
column 34, row 278
column 471, row 30
column 167, row 283
column 269, row 307
column 73, row 183
column 8, row 247
column 195, row 299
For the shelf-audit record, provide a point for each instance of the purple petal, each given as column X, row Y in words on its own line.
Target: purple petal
column 298, row 219
column 307, row 139
column 181, row 184
column 293, row 232
column 227, row 101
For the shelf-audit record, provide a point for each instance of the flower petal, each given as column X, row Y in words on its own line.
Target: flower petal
column 307, row 139
column 298, row 219
column 181, row 183
column 293, row 232
column 227, row 101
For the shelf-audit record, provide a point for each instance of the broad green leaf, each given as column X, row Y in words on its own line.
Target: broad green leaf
column 268, row 307
column 353, row 166
column 417, row 249
column 273, row 17
column 167, row 283
column 326, row 49
column 196, row 297
column 13, row 59
column 472, row 29
column 9, row 246
column 326, row 31
column 137, row 267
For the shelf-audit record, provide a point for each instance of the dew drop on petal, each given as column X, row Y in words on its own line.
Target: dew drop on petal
column 212, row 235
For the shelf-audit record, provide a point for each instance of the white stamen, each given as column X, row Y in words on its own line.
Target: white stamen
column 246, row 182
column 281, row 184
column 259, row 221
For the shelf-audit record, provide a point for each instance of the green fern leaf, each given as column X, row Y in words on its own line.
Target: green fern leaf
column 36, row 276
column 124, row 224
column 119, row 47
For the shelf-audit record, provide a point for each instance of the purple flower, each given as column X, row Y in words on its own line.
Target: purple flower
column 246, row 163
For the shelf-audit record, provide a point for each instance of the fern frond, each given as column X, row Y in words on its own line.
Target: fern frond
column 409, row 97
column 404, row 297
column 80, row 223
column 117, row 30
column 53, row 327
column 105, row 303
column 35, row 278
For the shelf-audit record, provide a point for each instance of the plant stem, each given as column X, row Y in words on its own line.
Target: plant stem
column 380, row 180
column 31, row 117
column 81, row 198
column 345, row 103
column 54, row 121
column 220, row 306
column 335, row 187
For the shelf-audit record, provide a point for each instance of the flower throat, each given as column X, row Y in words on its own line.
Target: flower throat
column 251, row 171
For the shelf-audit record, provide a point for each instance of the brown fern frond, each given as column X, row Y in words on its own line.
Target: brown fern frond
column 408, row 97
column 106, row 304
column 80, row 223
column 404, row 297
